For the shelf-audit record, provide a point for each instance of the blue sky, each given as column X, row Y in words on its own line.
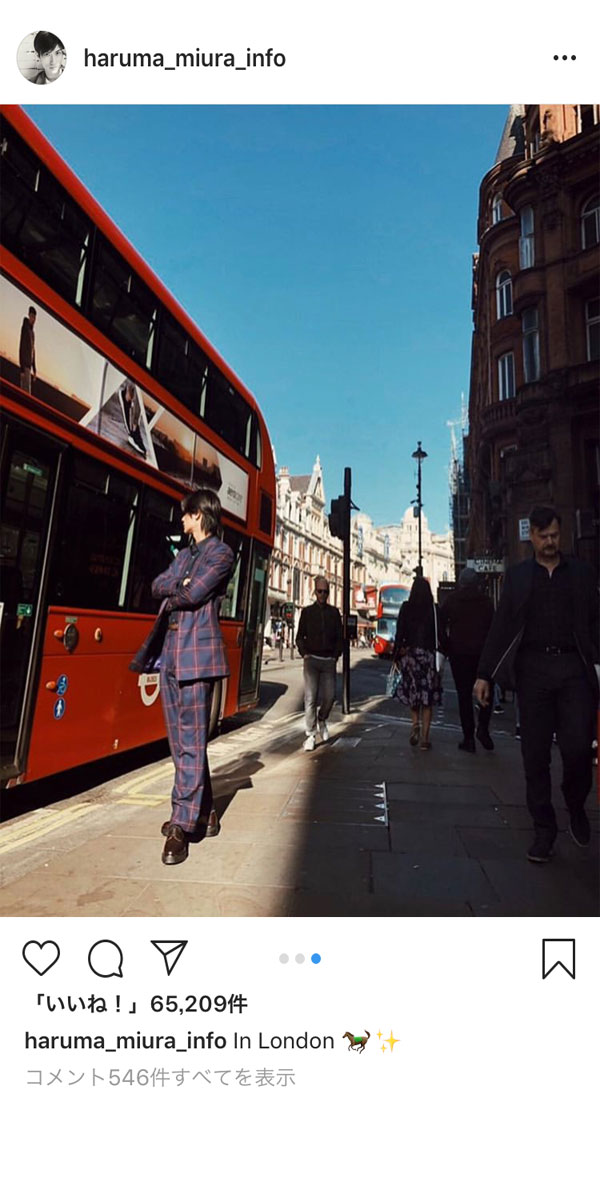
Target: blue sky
column 325, row 252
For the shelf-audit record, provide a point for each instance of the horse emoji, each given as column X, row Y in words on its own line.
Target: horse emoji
column 357, row 1043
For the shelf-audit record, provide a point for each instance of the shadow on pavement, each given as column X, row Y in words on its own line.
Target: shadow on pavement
column 380, row 828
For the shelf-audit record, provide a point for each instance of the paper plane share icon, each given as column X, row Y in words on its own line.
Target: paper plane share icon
column 171, row 952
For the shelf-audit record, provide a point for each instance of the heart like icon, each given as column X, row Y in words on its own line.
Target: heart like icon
column 41, row 956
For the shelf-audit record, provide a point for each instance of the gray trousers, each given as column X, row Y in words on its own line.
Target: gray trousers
column 319, row 689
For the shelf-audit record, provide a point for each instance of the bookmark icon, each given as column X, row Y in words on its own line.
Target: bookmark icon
column 558, row 952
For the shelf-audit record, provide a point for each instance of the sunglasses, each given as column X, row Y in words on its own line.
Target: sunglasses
column 322, row 591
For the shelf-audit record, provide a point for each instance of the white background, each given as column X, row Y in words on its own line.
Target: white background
column 490, row 1091
column 337, row 53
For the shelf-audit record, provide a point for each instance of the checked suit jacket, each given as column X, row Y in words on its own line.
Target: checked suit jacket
column 194, row 605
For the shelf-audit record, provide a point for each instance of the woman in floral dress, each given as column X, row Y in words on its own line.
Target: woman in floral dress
column 420, row 686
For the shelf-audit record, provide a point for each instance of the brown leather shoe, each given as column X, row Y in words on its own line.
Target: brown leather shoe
column 213, row 827
column 176, row 846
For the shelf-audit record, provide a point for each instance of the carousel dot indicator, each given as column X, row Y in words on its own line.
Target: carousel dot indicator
column 283, row 958
column 316, row 958
column 299, row 958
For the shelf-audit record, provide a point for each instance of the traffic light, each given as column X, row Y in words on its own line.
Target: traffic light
column 339, row 518
column 287, row 612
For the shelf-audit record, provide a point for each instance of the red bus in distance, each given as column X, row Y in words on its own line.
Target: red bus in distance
column 126, row 408
column 389, row 601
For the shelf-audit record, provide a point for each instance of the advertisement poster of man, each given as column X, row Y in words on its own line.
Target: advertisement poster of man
column 61, row 370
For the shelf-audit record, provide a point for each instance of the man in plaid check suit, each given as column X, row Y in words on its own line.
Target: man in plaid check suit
column 193, row 656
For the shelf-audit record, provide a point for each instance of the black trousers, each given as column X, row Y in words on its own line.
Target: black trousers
column 464, row 671
column 555, row 697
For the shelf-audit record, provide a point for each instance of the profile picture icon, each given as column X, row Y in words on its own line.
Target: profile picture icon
column 41, row 57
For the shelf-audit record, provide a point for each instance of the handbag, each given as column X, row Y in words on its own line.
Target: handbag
column 440, row 658
column 392, row 680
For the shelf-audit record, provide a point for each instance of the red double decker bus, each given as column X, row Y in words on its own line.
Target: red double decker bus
column 390, row 599
column 114, row 405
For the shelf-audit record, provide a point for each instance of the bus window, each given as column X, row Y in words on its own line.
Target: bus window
column 158, row 539
column 232, row 605
column 95, row 537
column 226, row 413
column 180, row 364
column 41, row 225
column 265, row 516
column 121, row 305
column 256, row 446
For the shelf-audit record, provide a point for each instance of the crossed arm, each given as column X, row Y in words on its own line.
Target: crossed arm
column 206, row 578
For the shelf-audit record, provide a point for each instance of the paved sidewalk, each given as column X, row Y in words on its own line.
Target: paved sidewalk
column 365, row 825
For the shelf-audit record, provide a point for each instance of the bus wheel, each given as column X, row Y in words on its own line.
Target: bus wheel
column 215, row 709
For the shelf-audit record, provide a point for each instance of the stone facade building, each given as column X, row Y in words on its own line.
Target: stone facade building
column 303, row 545
column 437, row 549
column 304, row 548
column 535, row 366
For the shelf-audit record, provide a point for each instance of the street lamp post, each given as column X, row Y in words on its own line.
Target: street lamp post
column 419, row 454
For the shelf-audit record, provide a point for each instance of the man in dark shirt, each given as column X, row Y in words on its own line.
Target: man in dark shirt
column 544, row 639
column 319, row 640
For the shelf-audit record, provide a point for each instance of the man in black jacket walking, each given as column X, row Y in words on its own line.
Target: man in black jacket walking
column 319, row 641
column 465, row 620
column 544, row 640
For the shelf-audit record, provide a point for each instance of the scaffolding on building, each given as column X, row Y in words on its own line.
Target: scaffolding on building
column 459, row 492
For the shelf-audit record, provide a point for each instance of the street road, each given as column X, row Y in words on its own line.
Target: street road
column 365, row 825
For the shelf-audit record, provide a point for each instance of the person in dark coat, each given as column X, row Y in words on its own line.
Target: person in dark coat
column 544, row 641
column 192, row 657
column 465, row 619
column 415, row 648
column 27, row 350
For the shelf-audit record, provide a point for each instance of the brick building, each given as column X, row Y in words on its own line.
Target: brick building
column 535, row 366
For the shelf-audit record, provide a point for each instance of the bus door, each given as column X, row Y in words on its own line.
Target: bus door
column 255, row 623
column 29, row 475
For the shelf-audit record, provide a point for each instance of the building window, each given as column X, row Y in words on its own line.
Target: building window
column 588, row 117
column 592, row 330
column 526, row 240
column 503, row 295
column 497, row 209
column 590, row 223
column 531, row 344
column 506, row 376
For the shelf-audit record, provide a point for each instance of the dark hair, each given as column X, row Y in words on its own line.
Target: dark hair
column 207, row 503
column 32, row 310
column 542, row 516
column 44, row 42
column 420, row 594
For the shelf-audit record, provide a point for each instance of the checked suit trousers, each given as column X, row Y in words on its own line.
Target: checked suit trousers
column 186, row 708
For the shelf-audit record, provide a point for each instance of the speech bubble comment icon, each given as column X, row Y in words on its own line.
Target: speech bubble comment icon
column 106, row 959
column 41, row 956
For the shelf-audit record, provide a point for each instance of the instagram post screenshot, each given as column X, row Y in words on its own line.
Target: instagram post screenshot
column 299, row 601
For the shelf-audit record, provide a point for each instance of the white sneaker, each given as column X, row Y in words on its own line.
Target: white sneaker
column 324, row 731
column 310, row 742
